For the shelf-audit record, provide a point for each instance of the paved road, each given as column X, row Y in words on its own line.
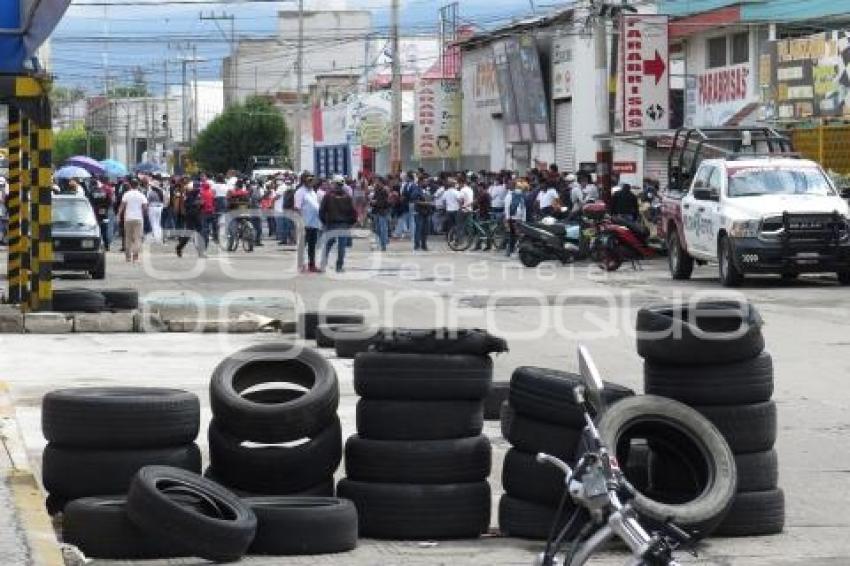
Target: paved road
column 545, row 313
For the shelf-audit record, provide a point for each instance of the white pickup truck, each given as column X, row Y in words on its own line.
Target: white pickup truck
column 759, row 214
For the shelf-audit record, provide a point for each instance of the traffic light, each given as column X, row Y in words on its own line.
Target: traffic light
column 165, row 122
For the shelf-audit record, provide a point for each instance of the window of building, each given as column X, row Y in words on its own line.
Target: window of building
column 716, row 48
column 740, row 48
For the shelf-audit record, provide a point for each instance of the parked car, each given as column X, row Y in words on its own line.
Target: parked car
column 754, row 208
column 77, row 242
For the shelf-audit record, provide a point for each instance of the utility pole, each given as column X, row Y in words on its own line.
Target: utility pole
column 165, row 122
column 195, row 93
column 296, row 145
column 185, row 110
column 234, row 61
column 395, row 144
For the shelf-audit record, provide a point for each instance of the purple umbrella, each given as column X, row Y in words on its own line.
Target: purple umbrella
column 86, row 163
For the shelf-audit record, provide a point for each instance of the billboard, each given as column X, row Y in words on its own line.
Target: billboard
column 525, row 108
column 645, row 73
column 506, row 92
column 810, row 77
column 436, row 131
column 562, row 68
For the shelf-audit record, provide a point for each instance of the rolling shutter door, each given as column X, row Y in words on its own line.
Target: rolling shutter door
column 565, row 155
column 655, row 166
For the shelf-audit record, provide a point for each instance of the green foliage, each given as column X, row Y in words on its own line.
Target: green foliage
column 240, row 133
column 71, row 142
column 129, row 91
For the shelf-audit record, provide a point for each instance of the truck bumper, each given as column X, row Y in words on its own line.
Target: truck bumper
column 78, row 261
column 756, row 256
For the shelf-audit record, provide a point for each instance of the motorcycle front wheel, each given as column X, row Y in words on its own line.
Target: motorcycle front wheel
column 458, row 239
column 529, row 259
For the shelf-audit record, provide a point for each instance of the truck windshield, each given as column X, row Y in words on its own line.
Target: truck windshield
column 73, row 212
column 758, row 181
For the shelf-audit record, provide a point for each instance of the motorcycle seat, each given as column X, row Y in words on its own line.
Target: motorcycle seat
column 639, row 230
column 554, row 229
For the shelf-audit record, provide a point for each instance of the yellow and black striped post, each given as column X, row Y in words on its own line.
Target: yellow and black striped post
column 14, row 206
column 42, row 246
column 25, row 245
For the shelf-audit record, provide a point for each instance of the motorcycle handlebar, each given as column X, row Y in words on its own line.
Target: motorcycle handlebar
column 544, row 458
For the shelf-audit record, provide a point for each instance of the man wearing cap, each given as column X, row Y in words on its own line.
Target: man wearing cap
column 338, row 215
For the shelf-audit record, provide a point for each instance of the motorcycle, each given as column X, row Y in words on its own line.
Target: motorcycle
column 543, row 242
column 601, row 495
column 618, row 240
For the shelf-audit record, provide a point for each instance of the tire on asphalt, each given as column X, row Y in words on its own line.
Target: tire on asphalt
column 548, row 395
column 422, row 377
column 348, row 344
column 531, row 436
column 326, row 334
column 220, row 527
column 70, row 473
column 325, row 488
column 78, row 300
column 299, row 526
column 493, row 402
column 100, row 528
column 121, row 299
column 524, row 519
column 124, row 417
column 754, row 513
column 418, row 420
column 670, row 472
column 309, row 321
column 670, row 423
column 525, row 478
column 419, row 512
column 469, row 341
column 301, row 417
column 275, row 470
column 738, row 383
column 747, row 428
column 704, row 333
column 459, row 460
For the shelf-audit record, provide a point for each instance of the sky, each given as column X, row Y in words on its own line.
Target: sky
column 91, row 40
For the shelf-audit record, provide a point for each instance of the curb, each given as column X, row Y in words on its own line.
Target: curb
column 43, row 548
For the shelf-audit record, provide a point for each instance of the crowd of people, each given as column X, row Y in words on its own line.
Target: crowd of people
column 414, row 206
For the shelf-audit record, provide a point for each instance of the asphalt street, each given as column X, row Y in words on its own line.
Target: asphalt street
column 544, row 313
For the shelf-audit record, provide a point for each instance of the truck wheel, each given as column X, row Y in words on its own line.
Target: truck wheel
column 730, row 275
column 528, row 259
column 681, row 264
column 844, row 277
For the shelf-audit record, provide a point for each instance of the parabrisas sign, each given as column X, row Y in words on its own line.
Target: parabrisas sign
column 645, row 75
column 724, row 85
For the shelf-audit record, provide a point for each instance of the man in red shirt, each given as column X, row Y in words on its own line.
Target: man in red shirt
column 208, row 209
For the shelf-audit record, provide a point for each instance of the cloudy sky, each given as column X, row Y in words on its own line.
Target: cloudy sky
column 93, row 39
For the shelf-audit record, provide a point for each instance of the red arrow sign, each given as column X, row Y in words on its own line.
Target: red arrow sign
column 655, row 67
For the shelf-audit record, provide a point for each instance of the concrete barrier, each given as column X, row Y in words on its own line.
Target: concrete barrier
column 105, row 322
column 11, row 320
column 48, row 323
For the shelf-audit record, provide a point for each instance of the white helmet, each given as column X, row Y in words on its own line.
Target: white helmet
column 339, row 179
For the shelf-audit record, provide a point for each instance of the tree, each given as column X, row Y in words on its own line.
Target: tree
column 75, row 141
column 128, row 91
column 243, row 131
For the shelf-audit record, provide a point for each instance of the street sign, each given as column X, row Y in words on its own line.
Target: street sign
column 624, row 167
column 645, row 74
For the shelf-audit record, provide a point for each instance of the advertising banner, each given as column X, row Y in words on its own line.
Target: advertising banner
column 645, row 76
column 437, row 130
column 506, row 92
column 562, row 68
column 810, row 77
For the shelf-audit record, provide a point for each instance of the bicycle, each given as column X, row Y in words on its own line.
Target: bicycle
column 492, row 232
column 241, row 230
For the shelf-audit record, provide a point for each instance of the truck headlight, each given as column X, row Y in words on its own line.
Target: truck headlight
column 744, row 229
column 88, row 244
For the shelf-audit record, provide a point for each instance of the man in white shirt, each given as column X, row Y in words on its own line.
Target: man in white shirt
column 438, row 220
column 134, row 207
column 467, row 198
column 498, row 192
column 588, row 190
column 546, row 201
column 452, row 197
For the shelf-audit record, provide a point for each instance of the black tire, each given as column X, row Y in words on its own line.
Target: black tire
column 500, row 237
column 754, row 513
column 747, row 428
column 843, row 277
column 458, row 238
column 326, row 334
column 302, row 417
column 730, row 275
column 499, row 392
column 524, row 519
column 528, row 258
column 300, row 526
column 78, row 300
column 55, row 504
column 471, row 341
column 548, row 395
column 419, row 512
column 325, row 488
column 758, row 471
column 275, row 470
column 658, row 419
column 636, row 468
column 99, row 272
column 704, row 333
column 423, row 377
column 309, row 321
column 248, row 237
column 347, row 347
column 70, row 473
column 121, row 299
column 532, row 436
column 459, row 460
column 232, row 242
column 220, row 530
column 748, row 381
column 100, row 528
column 418, row 420
column 124, row 417
column 525, row 478
column 680, row 262
column 670, row 473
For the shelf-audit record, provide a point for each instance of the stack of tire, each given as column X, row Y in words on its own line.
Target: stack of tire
column 710, row 355
column 541, row 415
column 418, row 467
column 99, row 437
column 275, row 441
column 309, row 321
column 95, row 301
column 347, row 340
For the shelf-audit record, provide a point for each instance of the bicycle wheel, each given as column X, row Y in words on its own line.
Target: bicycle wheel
column 500, row 236
column 248, row 237
column 232, row 241
column 459, row 239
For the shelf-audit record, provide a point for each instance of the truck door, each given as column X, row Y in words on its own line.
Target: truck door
column 710, row 210
column 693, row 209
